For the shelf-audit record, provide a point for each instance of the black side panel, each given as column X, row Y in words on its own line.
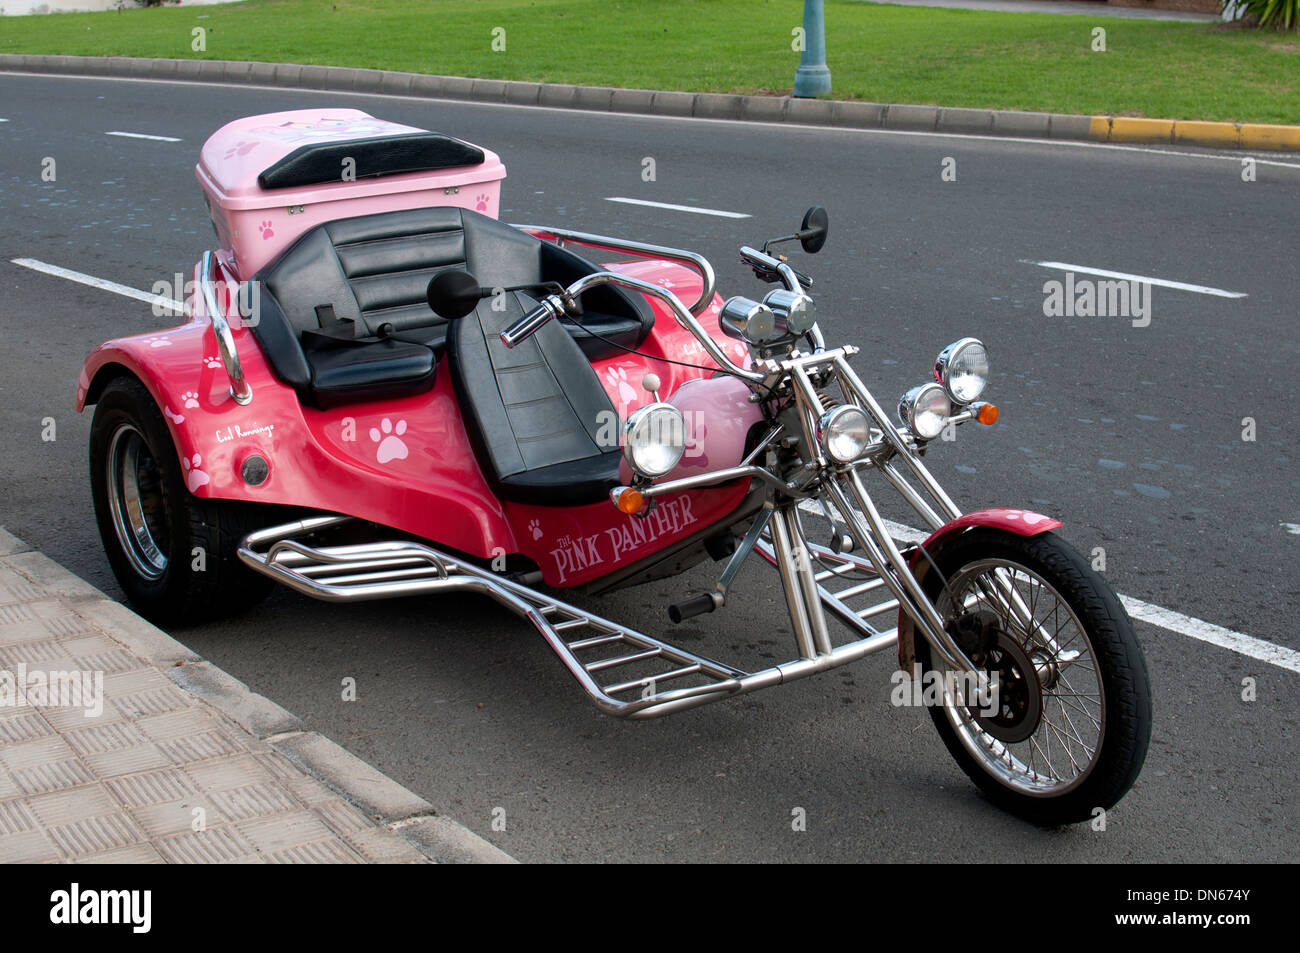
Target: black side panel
column 319, row 163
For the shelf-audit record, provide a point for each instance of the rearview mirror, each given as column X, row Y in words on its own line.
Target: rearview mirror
column 812, row 233
column 454, row 294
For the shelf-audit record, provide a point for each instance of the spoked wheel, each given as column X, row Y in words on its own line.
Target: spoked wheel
column 1066, row 727
column 174, row 555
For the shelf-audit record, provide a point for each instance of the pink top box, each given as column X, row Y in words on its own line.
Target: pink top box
column 269, row 179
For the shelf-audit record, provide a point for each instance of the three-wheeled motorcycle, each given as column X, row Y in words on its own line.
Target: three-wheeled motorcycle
column 383, row 390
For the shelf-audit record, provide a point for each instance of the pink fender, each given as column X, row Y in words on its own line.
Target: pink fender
column 1020, row 522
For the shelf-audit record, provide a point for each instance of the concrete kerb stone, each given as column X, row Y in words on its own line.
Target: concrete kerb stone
column 561, row 95
column 911, row 118
column 457, row 87
column 488, row 90
column 257, row 715
column 811, row 111
column 1069, row 127
column 523, row 94
column 632, row 100
column 367, row 80
column 398, row 84
column 449, row 843
column 597, row 98
column 671, row 103
column 976, row 121
column 717, row 105
column 859, row 115
column 10, row 544
column 147, row 641
column 763, row 108
column 375, row 793
column 1009, row 123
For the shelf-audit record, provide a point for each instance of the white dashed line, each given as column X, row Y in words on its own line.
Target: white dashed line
column 678, row 208
column 1124, row 276
column 1197, row 629
column 101, row 283
column 141, row 135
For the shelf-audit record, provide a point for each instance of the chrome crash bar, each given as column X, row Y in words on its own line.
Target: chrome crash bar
column 688, row 258
column 239, row 388
column 624, row 672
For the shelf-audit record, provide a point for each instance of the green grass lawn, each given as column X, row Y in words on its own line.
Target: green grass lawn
column 890, row 54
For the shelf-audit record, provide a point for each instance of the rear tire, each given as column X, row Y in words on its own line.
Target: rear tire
column 172, row 553
column 1091, row 718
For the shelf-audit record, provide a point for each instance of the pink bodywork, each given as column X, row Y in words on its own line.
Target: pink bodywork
column 408, row 463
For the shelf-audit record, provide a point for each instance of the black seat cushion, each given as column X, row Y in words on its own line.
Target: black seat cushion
column 536, row 414
column 374, row 270
column 383, row 369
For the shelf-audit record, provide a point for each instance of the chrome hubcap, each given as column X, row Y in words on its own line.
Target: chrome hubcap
column 136, row 502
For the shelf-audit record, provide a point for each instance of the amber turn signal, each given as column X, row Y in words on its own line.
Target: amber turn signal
column 628, row 499
column 988, row 414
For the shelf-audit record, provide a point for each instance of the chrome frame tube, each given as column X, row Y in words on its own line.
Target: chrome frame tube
column 684, row 317
column 688, row 258
column 239, row 389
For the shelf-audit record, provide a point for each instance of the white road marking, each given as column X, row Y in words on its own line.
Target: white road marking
column 1146, row 612
column 1292, row 528
column 141, row 135
column 678, row 208
column 1144, row 279
column 101, row 283
column 1214, row 634
column 4, row 120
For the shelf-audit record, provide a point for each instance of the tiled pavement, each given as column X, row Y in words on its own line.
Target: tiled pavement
column 161, row 774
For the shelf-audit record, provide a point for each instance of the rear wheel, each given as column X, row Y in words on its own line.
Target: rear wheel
column 1066, row 729
column 173, row 554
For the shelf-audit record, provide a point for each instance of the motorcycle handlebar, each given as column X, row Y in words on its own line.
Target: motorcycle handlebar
column 533, row 321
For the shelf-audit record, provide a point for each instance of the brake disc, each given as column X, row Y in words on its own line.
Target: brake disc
column 1019, row 694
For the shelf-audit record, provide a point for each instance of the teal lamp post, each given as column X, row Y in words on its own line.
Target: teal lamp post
column 813, row 77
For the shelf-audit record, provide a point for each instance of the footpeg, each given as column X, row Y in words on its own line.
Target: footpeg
column 681, row 611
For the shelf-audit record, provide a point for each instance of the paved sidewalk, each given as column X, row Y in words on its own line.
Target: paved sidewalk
column 150, row 754
column 1069, row 7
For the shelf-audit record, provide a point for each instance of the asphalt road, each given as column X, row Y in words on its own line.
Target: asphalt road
column 1131, row 435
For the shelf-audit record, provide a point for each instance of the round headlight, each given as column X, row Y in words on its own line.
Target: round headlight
column 655, row 439
column 925, row 409
column 844, row 433
column 795, row 312
column 963, row 369
column 747, row 319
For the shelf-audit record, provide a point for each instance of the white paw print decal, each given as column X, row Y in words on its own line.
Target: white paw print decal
column 535, row 528
column 391, row 444
column 175, row 418
column 159, row 342
column 617, row 377
column 194, row 477
column 213, row 363
column 191, row 398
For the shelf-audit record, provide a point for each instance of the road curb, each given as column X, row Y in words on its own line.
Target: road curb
column 849, row 114
column 438, row 838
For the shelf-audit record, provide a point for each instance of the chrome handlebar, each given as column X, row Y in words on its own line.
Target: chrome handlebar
column 553, row 307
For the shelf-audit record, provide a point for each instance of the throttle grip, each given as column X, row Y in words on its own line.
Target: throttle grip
column 551, row 307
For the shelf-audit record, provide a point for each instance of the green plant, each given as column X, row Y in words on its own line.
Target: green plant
column 1278, row 14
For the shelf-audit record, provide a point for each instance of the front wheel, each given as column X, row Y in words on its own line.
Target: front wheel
column 1065, row 727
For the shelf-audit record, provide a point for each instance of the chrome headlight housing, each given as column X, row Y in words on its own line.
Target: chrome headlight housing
column 654, row 439
column 844, row 433
column 925, row 410
column 747, row 319
column 795, row 311
column 963, row 369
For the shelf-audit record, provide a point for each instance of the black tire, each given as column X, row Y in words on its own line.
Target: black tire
column 1123, row 729
column 181, row 567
